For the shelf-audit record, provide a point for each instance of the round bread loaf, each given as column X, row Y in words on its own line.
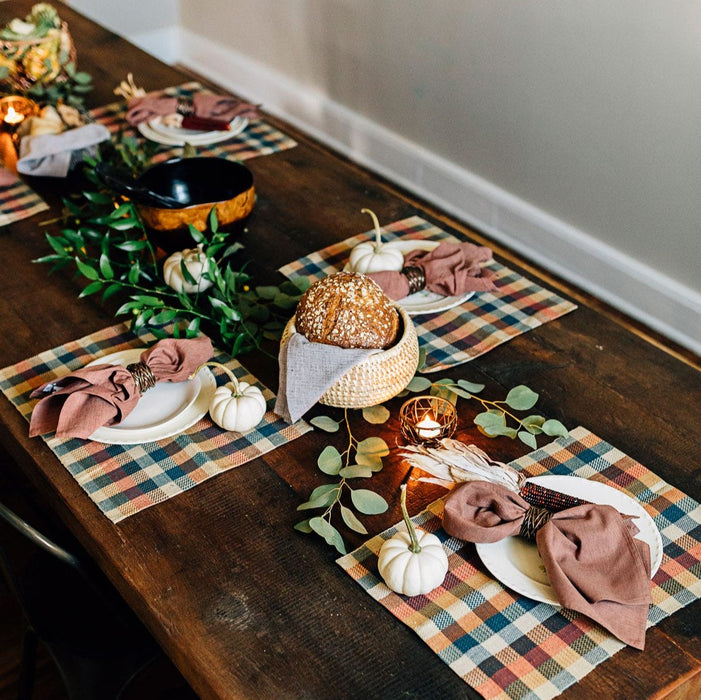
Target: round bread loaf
column 349, row 310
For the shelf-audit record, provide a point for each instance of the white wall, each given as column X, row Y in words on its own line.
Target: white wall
column 568, row 130
column 150, row 24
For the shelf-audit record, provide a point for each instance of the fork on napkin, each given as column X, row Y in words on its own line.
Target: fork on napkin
column 77, row 404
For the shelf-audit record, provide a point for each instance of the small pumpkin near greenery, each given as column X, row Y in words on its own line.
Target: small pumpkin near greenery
column 195, row 262
column 235, row 406
column 375, row 256
column 412, row 562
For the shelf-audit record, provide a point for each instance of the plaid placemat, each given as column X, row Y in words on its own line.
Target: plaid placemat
column 125, row 479
column 18, row 201
column 508, row 646
column 466, row 331
column 257, row 139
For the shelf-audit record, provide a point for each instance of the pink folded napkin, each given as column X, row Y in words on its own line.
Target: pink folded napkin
column 203, row 105
column 449, row 269
column 77, row 404
column 595, row 564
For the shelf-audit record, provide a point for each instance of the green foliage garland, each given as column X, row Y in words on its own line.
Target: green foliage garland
column 104, row 238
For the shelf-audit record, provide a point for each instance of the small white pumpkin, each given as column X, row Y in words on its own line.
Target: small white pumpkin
column 377, row 256
column 412, row 563
column 195, row 261
column 235, row 406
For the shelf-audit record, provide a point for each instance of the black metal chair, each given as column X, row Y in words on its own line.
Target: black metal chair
column 97, row 643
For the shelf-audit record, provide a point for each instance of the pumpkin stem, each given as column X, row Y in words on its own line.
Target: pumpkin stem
column 232, row 376
column 378, row 237
column 414, row 547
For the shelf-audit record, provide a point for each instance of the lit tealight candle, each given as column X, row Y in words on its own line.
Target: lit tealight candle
column 427, row 428
column 13, row 117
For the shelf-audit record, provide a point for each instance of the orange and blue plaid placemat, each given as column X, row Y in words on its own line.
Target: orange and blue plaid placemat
column 257, row 139
column 507, row 646
column 124, row 479
column 464, row 332
column 19, row 201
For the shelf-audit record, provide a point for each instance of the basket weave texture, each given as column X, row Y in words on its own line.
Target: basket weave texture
column 379, row 376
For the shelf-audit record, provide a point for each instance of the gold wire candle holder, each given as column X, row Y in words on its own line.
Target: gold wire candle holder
column 426, row 419
column 14, row 109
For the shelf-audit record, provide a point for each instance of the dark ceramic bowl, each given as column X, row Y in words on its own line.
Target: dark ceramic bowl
column 197, row 185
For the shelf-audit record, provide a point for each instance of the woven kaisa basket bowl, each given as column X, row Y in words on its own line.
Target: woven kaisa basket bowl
column 380, row 376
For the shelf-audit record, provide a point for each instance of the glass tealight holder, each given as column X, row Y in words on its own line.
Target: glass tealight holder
column 14, row 109
column 427, row 419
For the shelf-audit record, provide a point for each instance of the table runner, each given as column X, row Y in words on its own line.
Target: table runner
column 257, row 139
column 507, row 646
column 124, row 479
column 19, row 201
column 458, row 335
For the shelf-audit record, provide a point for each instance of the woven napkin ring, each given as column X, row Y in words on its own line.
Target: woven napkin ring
column 143, row 376
column 416, row 278
column 185, row 106
column 533, row 520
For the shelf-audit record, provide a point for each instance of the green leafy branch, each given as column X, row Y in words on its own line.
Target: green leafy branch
column 498, row 417
column 359, row 459
column 104, row 238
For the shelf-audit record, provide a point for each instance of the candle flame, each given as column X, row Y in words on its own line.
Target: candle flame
column 13, row 116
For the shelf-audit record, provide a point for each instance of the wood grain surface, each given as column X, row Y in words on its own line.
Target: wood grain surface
column 244, row 605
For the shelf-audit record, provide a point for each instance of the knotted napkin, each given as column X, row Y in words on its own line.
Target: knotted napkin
column 595, row 564
column 77, row 404
column 203, row 105
column 449, row 269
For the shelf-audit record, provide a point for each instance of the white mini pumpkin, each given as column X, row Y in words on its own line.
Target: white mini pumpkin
column 236, row 406
column 412, row 562
column 195, row 261
column 375, row 256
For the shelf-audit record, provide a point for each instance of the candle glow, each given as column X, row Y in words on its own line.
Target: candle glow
column 428, row 428
column 13, row 117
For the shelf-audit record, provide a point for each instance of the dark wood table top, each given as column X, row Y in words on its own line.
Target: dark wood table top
column 242, row 603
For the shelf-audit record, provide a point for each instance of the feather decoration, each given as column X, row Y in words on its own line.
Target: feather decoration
column 452, row 462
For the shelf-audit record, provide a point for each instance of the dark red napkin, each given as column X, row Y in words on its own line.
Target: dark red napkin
column 77, row 404
column 450, row 269
column 595, row 564
column 205, row 106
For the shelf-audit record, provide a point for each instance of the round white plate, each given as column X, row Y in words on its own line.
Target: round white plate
column 173, row 136
column 166, row 409
column 515, row 561
column 424, row 302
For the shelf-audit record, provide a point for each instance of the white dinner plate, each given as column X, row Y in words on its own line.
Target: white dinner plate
column 425, row 301
column 166, row 409
column 155, row 131
column 515, row 562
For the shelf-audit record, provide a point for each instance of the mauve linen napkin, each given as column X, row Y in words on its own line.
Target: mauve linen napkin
column 53, row 155
column 595, row 564
column 7, row 177
column 77, row 404
column 308, row 370
column 449, row 269
column 204, row 105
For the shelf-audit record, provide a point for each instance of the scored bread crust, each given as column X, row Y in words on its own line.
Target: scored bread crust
column 349, row 310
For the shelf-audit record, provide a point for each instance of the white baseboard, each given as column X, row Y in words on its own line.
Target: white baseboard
column 624, row 282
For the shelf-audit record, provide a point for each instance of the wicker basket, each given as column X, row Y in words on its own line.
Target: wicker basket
column 380, row 376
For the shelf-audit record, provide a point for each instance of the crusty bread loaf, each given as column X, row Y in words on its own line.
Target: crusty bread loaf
column 349, row 310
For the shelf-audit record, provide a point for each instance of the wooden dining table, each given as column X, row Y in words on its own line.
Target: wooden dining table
column 245, row 605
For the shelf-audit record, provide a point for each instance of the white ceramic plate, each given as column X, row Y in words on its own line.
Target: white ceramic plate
column 515, row 561
column 156, row 131
column 166, row 409
column 424, row 302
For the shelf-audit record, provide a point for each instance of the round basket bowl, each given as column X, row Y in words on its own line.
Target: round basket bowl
column 380, row 376
column 199, row 184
